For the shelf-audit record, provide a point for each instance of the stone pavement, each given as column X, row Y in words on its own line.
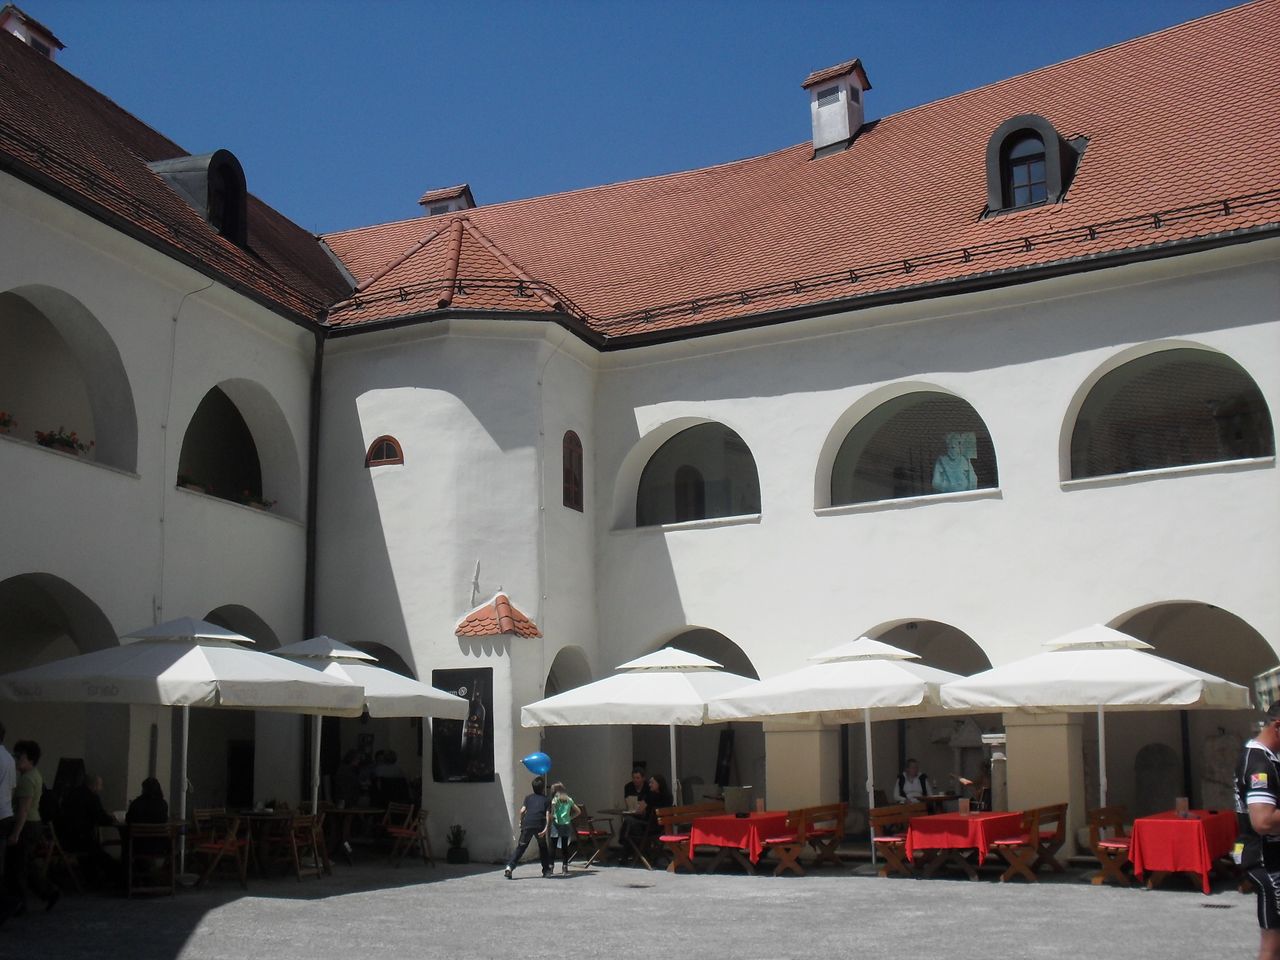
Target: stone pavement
column 371, row 911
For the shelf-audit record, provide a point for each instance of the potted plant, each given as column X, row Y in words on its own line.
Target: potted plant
column 60, row 439
column 254, row 500
column 6, row 421
column 457, row 853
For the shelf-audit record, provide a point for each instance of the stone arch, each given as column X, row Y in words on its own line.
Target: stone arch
column 243, row 415
column 938, row 644
column 388, row 659
column 1240, row 433
column 863, row 460
column 244, row 621
column 703, row 472
column 569, row 669
column 65, row 370
column 626, row 487
column 45, row 618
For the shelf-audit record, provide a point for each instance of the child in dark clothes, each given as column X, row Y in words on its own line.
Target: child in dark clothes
column 535, row 821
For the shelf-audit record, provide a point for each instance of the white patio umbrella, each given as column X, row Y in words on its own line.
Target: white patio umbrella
column 386, row 694
column 1089, row 670
column 862, row 680
column 669, row 687
column 185, row 663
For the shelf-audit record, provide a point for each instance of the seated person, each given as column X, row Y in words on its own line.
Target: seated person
column 635, row 789
column 79, row 817
column 644, row 821
column 912, row 786
column 149, row 806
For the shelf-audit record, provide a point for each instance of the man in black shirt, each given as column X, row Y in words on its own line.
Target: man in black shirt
column 535, row 821
column 1258, row 810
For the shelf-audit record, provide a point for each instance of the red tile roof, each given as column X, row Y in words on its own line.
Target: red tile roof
column 497, row 617
column 67, row 138
column 839, row 70
column 1183, row 146
column 448, row 193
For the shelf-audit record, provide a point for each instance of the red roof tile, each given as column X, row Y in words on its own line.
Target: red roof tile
column 1182, row 146
column 66, row 137
column 448, row 193
column 497, row 617
column 839, row 70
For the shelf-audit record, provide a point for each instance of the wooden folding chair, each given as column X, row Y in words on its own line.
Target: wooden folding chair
column 1021, row 849
column 397, row 815
column 151, row 859
column 206, row 823
column 592, row 833
column 889, row 835
column 1051, row 835
column 1110, row 844
column 49, row 851
column 225, row 837
column 410, row 837
column 298, row 847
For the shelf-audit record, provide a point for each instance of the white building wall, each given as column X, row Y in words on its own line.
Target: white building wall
column 137, row 547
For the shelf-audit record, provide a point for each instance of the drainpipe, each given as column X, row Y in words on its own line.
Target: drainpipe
column 309, row 573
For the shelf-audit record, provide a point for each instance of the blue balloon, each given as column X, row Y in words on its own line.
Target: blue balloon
column 538, row 763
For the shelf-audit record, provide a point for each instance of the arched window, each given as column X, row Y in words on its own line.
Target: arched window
column 1028, row 164
column 572, row 475
column 702, row 472
column 1167, row 409
column 914, row 445
column 384, row 451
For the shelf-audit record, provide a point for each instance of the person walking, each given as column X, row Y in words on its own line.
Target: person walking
column 563, row 813
column 535, row 821
column 25, row 835
column 1257, row 848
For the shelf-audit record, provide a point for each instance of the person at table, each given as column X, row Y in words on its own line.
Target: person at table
column 979, row 790
column 635, row 789
column 643, row 821
column 77, row 823
column 19, row 878
column 1257, row 848
column 912, row 786
column 149, row 806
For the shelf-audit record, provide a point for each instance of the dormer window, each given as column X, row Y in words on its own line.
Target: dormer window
column 213, row 184
column 1028, row 164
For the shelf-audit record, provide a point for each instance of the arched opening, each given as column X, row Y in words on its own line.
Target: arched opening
column 1155, row 756
column 576, row 752
column 912, row 445
column 44, row 618
column 1168, row 408
column 62, row 372
column 724, row 754
column 701, row 472
column 946, row 747
column 222, row 744
column 384, row 451
column 238, row 447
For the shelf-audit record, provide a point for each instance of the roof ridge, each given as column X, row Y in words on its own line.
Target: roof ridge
column 510, row 265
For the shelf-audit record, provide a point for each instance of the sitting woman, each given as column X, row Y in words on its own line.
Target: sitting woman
column 149, row 807
column 643, row 822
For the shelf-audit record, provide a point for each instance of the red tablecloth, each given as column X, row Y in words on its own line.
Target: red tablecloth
column 740, row 833
column 961, row 831
column 1167, row 842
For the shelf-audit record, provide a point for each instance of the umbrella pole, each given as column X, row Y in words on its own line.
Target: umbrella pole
column 315, row 766
column 871, row 789
column 182, row 791
column 675, row 784
column 1102, row 758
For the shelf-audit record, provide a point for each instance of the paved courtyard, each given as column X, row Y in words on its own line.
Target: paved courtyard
column 371, row 911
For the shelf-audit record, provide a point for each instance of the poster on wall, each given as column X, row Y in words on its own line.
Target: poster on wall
column 462, row 750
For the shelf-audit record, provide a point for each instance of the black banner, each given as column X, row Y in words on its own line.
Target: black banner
column 462, row 750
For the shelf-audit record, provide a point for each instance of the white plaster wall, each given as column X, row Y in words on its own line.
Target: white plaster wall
column 140, row 549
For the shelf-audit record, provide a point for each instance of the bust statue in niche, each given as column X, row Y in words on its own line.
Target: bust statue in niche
column 953, row 470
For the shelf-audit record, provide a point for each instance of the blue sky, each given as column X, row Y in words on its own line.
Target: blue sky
column 344, row 113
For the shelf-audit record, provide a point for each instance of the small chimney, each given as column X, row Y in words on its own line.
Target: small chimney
column 835, row 105
column 447, row 200
column 30, row 31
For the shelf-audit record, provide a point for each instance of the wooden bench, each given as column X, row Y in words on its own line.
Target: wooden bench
column 1041, row 834
column 820, row 827
column 1110, row 844
column 674, row 823
column 889, row 835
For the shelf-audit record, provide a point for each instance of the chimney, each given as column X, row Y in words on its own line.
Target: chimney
column 835, row 105
column 30, row 31
column 447, row 200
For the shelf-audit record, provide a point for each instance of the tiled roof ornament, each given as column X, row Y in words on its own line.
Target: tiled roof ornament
column 447, row 200
column 835, row 105
column 497, row 617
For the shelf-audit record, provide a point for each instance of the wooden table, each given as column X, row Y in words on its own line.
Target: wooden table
column 1165, row 843
column 949, row 837
column 738, row 837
